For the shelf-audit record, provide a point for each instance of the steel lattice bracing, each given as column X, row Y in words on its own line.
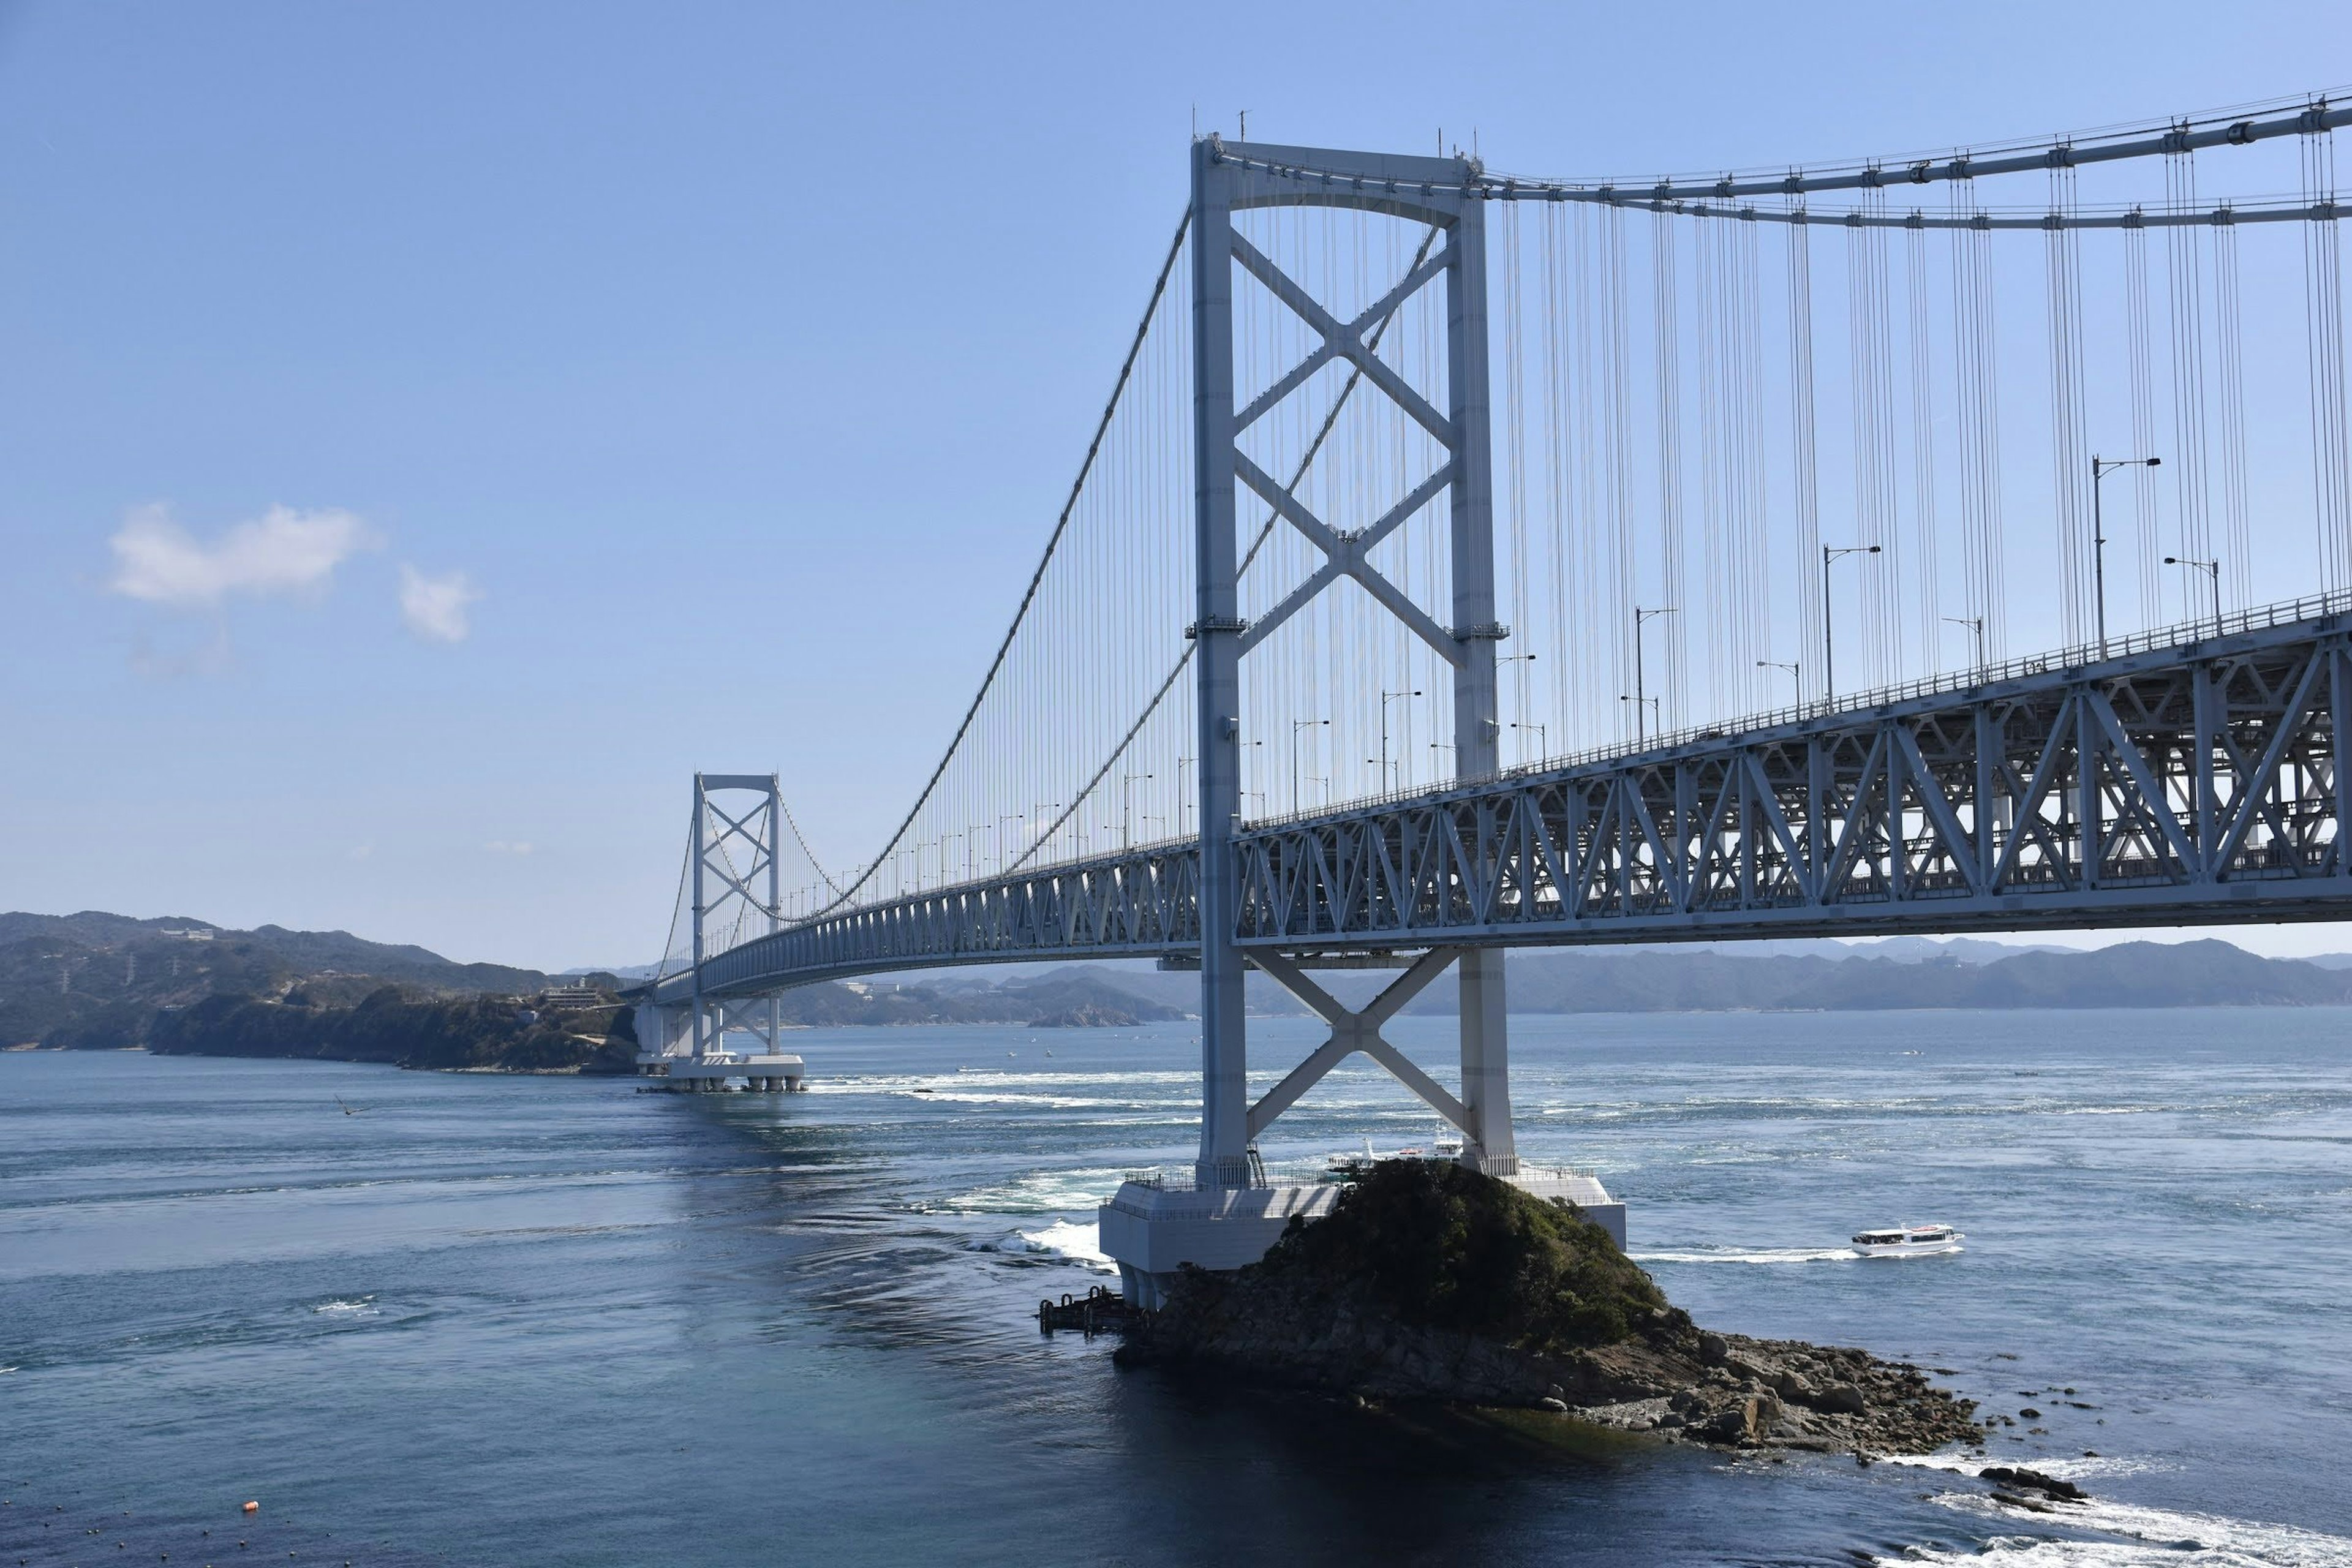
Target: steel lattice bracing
column 2209, row 796
column 2173, row 786
column 1138, row 904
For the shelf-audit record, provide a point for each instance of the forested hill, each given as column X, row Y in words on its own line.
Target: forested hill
column 94, row 979
column 102, row 981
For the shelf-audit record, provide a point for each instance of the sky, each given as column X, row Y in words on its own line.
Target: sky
column 430, row 432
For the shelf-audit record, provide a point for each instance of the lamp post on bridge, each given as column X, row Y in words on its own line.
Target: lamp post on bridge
column 1126, row 808
column 1829, row 647
column 1796, row 676
column 1542, row 739
column 1386, row 698
column 1297, row 725
column 2212, row 569
column 2100, row 469
column 1639, row 702
column 1976, row 625
column 1640, row 699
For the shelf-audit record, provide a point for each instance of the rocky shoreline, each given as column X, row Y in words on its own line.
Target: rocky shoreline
column 1673, row 1381
column 1442, row 1284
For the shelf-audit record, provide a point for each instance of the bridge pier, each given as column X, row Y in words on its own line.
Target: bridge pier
column 689, row 1056
column 1227, row 1213
column 1157, row 1224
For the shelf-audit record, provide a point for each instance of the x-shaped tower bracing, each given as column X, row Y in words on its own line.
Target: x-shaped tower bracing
column 727, row 915
column 1426, row 191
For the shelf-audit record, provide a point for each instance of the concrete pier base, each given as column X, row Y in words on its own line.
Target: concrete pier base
column 711, row 1074
column 1152, row 1228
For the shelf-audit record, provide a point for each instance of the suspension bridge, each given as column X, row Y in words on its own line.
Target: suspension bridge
column 1467, row 560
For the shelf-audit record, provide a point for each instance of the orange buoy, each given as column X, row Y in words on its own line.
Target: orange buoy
column 252, row 1508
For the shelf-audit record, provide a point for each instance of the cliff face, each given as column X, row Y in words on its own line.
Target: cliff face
column 1430, row 1281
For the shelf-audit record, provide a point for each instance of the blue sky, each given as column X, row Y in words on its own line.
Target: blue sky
column 683, row 386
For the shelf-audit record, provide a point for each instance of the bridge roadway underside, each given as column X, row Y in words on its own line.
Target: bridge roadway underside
column 2186, row 784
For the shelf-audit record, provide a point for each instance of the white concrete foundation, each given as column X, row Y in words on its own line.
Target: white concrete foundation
column 710, row 1074
column 1152, row 1230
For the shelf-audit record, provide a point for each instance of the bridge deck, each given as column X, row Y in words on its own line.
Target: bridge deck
column 2176, row 781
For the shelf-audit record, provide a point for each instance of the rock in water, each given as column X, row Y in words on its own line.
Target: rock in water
column 2048, row 1486
column 1429, row 1281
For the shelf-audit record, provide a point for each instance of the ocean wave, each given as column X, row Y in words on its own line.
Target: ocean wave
column 2084, row 1468
column 362, row 1306
column 2139, row 1535
column 1767, row 1255
column 1066, row 1239
column 1038, row 1193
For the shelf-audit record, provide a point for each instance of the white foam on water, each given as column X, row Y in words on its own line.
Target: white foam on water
column 1080, row 1243
column 363, row 1307
column 1769, row 1255
column 2139, row 1536
column 1068, row 1239
column 2056, row 1469
column 1038, row 1193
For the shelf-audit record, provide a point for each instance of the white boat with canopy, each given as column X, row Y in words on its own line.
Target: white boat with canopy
column 1908, row 1241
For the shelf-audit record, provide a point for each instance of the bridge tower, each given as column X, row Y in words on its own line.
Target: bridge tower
column 734, row 885
column 1232, row 1214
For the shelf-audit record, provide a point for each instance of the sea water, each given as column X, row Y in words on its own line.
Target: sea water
column 475, row 1319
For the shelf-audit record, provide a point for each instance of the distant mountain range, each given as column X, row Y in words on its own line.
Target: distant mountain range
column 94, row 979
column 100, row 980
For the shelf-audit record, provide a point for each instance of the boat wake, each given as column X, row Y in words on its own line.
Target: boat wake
column 1767, row 1255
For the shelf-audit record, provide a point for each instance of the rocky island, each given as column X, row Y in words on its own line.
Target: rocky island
column 1429, row 1281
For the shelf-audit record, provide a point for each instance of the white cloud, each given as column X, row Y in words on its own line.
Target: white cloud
column 435, row 607
column 501, row 846
column 280, row 552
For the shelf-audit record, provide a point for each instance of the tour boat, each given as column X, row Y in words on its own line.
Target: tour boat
column 1908, row 1241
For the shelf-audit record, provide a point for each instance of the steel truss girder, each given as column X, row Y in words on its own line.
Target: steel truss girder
column 2179, row 786
column 2211, row 798
column 1144, row 903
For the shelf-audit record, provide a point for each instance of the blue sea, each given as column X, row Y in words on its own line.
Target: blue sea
column 506, row 1319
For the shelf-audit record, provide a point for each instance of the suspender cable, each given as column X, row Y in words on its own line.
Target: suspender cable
column 2070, row 458
column 1803, row 474
column 1926, row 549
column 2139, row 352
column 1668, row 320
column 2331, row 444
column 2187, row 461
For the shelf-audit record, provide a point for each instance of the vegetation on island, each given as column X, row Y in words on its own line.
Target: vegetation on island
column 401, row 1029
column 1438, row 1245
column 1432, row 1281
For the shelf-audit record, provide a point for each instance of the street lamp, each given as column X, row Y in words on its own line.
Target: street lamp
column 2100, row 469
column 1540, row 733
column 2212, row 569
column 1829, row 647
column 1640, row 615
column 1296, row 726
column 1638, row 703
column 1796, row 676
column 1976, row 625
column 1126, row 806
column 1386, row 698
